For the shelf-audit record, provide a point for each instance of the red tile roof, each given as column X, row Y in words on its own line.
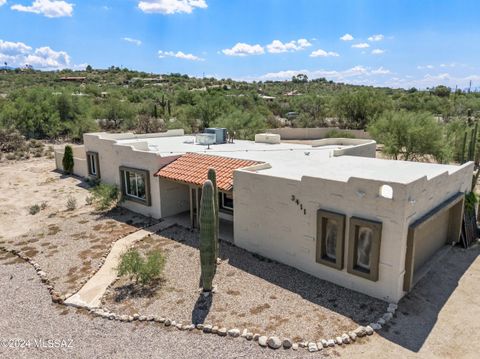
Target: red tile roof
column 192, row 168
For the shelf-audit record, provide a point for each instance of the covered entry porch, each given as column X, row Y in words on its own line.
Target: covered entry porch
column 181, row 184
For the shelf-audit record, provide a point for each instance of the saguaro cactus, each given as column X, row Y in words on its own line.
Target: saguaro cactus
column 212, row 176
column 208, row 260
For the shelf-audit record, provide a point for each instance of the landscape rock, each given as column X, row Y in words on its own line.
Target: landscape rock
column 200, row 326
column 142, row 318
column 234, row 333
column 244, row 333
column 274, row 342
column 339, row 340
column 150, row 318
column 136, row 316
column 345, row 339
column 256, row 336
column 324, row 343
column 215, row 329
column 387, row 316
column 249, row 336
column 375, row 326
column 381, row 321
column 392, row 308
column 312, row 347
column 167, row 322
column 262, row 341
column 294, row 346
column 222, row 332
column 331, row 342
column 207, row 328
column 287, row 343
column 360, row 331
column 369, row 330
column 352, row 336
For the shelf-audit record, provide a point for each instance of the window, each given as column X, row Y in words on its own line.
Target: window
column 227, row 201
column 330, row 238
column 364, row 248
column 93, row 165
column 135, row 185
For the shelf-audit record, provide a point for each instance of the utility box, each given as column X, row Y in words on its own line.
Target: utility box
column 220, row 134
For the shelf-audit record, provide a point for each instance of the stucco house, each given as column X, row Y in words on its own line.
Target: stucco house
column 330, row 209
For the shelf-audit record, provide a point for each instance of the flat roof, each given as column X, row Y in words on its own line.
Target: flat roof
column 293, row 161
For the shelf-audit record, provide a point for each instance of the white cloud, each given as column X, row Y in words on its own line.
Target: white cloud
column 179, row 55
column 378, row 37
column 357, row 73
column 276, row 46
column 242, row 49
column 423, row 67
column 171, row 6
column 48, row 8
column 19, row 54
column 3, row 2
column 362, row 45
column 346, row 37
column 46, row 58
column 13, row 48
column 378, row 52
column 453, row 64
column 132, row 41
column 323, row 53
column 380, row 71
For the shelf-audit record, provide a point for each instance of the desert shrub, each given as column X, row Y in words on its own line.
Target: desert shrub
column 142, row 270
column 67, row 161
column 43, row 205
column 35, row 144
column 89, row 200
column 11, row 141
column 38, row 152
column 10, row 156
column 71, row 203
column 33, row 210
column 339, row 134
column 105, row 196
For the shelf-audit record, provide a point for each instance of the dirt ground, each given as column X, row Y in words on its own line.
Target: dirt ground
column 68, row 244
column 255, row 293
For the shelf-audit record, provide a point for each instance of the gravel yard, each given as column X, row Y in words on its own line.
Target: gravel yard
column 68, row 244
column 252, row 292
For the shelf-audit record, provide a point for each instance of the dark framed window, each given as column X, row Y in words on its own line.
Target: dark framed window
column 135, row 184
column 330, row 238
column 226, row 200
column 364, row 248
column 93, row 164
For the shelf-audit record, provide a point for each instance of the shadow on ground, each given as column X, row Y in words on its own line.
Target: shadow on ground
column 359, row 307
column 418, row 311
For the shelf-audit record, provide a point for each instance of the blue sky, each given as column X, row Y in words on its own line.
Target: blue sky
column 400, row 43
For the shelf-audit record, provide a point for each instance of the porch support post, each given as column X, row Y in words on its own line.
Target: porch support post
column 198, row 205
column 190, row 193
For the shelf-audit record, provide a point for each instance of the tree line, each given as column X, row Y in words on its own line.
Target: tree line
column 41, row 105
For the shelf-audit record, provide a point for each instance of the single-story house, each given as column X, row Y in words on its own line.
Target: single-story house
column 330, row 208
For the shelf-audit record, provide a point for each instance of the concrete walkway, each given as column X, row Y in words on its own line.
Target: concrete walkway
column 90, row 294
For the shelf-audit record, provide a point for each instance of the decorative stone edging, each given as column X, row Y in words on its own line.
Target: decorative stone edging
column 273, row 342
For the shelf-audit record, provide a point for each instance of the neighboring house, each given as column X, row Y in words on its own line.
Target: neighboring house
column 330, row 209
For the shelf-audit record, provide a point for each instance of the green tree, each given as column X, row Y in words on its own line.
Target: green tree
column 67, row 160
column 411, row 136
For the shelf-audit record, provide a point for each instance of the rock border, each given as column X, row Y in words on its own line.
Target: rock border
column 272, row 342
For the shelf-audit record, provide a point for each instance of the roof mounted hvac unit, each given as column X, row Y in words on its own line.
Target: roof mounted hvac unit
column 205, row 139
column 220, row 134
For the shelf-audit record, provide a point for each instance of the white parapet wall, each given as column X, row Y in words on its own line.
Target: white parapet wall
column 354, row 146
column 267, row 138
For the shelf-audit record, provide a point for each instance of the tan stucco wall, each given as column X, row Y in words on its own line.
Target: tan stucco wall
column 359, row 147
column 269, row 223
column 175, row 197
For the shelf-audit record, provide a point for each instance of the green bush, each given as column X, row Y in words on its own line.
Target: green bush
column 34, row 209
column 104, row 196
column 339, row 134
column 143, row 270
column 71, row 203
column 67, row 161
